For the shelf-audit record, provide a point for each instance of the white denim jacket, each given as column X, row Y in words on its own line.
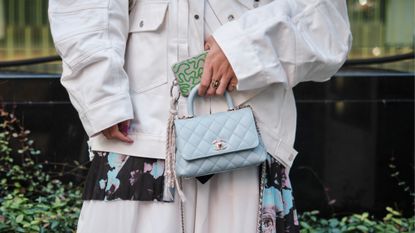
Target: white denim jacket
column 117, row 64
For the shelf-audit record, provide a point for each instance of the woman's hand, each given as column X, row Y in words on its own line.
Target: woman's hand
column 218, row 74
column 118, row 132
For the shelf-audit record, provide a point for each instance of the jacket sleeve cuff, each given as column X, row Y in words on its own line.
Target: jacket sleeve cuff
column 244, row 59
column 107, row 113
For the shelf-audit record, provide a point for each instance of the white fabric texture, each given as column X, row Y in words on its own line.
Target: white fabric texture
column 117, row 66
column 228, row 202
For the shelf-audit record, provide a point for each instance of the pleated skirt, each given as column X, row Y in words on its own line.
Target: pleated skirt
column 125, row 194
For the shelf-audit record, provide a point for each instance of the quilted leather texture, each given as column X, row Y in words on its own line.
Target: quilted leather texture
column 217, row 143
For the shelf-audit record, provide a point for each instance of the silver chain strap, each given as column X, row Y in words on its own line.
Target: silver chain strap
column 182, row 208
column 261, row 197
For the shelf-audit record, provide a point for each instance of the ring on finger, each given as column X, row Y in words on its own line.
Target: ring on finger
column 215, row 84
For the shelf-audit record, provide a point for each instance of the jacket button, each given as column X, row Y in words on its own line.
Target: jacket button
column 141, row 23
column 231, row 17
column 196, row 17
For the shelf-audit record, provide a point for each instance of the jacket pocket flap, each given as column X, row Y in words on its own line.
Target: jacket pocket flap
column 147, row 16
column 248, row 3
column 216, row 134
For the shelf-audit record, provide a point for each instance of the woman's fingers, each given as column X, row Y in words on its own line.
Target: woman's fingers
column 206, row 79
column 224, row 82
column 232, row 84
column 114, row 132
column 217, row 72
column 123, row 127
column 215, row 82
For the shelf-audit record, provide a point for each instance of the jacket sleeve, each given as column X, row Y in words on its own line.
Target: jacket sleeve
column 287, row 41
column 90, row 36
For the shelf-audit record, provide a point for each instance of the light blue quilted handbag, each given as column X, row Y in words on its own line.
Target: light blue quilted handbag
column 218, row 142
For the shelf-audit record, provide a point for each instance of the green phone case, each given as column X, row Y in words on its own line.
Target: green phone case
column 189, row 72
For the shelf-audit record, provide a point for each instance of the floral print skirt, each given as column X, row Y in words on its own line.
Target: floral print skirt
column 115, row 176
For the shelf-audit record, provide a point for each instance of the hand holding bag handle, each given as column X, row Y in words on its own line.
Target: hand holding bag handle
column 190, row 108
column 194, row 92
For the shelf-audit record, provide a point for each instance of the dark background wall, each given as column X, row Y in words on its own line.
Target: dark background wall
column 348, row 131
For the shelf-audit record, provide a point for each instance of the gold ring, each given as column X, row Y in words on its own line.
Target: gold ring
column 215, row 84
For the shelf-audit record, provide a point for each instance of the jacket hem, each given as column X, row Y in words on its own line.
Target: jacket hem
column 278, row 148
column 144, row 145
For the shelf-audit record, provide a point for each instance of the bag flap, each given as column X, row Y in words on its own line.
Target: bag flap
column 216, row 134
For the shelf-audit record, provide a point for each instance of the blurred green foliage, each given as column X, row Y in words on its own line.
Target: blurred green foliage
column 30, row 200
column 392, row 222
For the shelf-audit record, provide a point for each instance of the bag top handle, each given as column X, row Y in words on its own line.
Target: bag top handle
column 194, row 92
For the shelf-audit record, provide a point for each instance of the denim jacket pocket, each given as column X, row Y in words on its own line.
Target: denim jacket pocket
column 146, row 53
